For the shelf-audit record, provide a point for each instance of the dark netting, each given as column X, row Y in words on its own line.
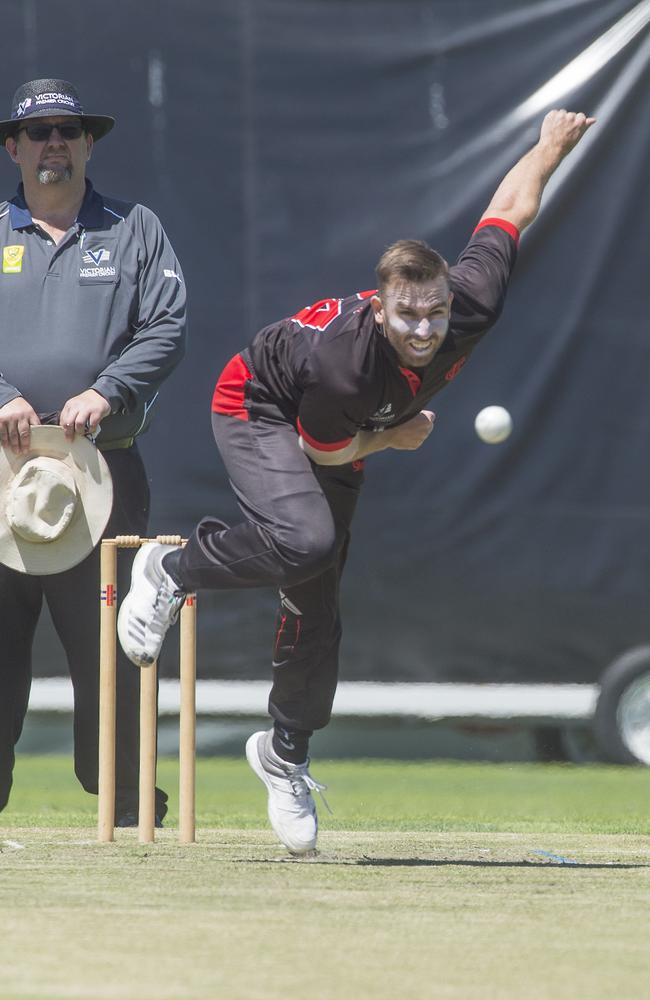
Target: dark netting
column 283, row 145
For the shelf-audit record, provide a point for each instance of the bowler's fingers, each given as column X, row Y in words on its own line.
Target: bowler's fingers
column 571, row 124
column 419, row 428
column 431, row 417
column 560, row 117
column 581, row 121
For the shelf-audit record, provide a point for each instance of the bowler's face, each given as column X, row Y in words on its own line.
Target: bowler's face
column 414, row 317
column 54, row 159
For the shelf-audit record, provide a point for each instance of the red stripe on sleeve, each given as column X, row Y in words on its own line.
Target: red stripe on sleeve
column 318, row 445
column 500, row 224
column 228, row 395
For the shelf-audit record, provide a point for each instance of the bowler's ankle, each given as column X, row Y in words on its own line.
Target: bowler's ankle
column 170, row 564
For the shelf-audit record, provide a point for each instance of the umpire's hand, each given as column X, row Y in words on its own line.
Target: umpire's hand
column 17, row 418
column 81, row 414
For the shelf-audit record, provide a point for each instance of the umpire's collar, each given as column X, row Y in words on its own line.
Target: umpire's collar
column 91, row 213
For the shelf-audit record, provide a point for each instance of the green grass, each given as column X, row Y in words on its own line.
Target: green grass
column 434, row 880
column 374, row 795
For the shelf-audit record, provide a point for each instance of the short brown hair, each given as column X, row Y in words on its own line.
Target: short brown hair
column 411, row 260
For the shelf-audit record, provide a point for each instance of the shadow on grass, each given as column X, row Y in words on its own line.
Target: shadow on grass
column 367, row 862
column 420, row 862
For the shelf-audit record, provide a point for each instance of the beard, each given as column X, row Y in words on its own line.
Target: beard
column 54, row 175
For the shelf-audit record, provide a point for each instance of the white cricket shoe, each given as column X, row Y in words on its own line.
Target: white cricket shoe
column 291, row 808
column 150, row 607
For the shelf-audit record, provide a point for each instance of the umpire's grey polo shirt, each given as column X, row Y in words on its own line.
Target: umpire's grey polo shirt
column 104, row 309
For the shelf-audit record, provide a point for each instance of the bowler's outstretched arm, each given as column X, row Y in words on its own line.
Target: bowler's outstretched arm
column 518, row 196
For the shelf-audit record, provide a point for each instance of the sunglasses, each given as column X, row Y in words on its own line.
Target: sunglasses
column 41, row 133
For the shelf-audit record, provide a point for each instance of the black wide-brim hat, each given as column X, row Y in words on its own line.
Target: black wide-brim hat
column 41, row 98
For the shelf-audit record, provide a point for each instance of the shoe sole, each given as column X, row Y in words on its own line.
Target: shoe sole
column 253, row 758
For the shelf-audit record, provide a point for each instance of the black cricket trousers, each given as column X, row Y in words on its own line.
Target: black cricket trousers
column 73, row 601
column 294, row 537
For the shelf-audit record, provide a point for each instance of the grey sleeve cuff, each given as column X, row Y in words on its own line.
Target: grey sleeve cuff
column 8, row 392
column 116, row 395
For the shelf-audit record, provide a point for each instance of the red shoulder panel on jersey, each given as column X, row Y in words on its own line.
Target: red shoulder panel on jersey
column 228, row 394
column 500, row 224
column 319, row 445
column 367, row 295
column 320, row 315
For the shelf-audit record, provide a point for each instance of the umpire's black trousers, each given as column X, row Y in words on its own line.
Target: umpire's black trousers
column 294, row 537
column 73, row 600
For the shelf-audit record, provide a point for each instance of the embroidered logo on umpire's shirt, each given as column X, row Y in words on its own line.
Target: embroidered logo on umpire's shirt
column 99, row 256
column 12, row 259
column 98, row 264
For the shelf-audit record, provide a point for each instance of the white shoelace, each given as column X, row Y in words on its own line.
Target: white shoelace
column 302, row 783
column 166, row 596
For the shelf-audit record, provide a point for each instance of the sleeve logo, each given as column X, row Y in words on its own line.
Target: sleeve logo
column 12, row 260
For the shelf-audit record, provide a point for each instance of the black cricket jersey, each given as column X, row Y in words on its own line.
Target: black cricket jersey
column 330, row 370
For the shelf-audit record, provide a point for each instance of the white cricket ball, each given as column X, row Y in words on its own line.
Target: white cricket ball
column 493, row 424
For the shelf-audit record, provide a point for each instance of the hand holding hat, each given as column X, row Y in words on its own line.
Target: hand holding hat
column 55, row 502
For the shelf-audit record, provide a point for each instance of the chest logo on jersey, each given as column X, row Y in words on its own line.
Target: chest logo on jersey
column 384, row 415
column 12, row 260
column 98, row 260
column 97, row 264
column 99, row 256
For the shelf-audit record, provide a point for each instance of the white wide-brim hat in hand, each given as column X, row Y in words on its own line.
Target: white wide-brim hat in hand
column 55, row 501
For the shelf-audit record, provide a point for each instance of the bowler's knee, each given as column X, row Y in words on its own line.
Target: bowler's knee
column 309, row 551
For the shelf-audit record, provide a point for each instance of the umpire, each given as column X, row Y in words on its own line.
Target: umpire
column 93, row 322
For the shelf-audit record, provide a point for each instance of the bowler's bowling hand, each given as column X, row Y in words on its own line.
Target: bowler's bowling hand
column 17, row 418
column 81, row 414
column 409, row 436
column 562, row 130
